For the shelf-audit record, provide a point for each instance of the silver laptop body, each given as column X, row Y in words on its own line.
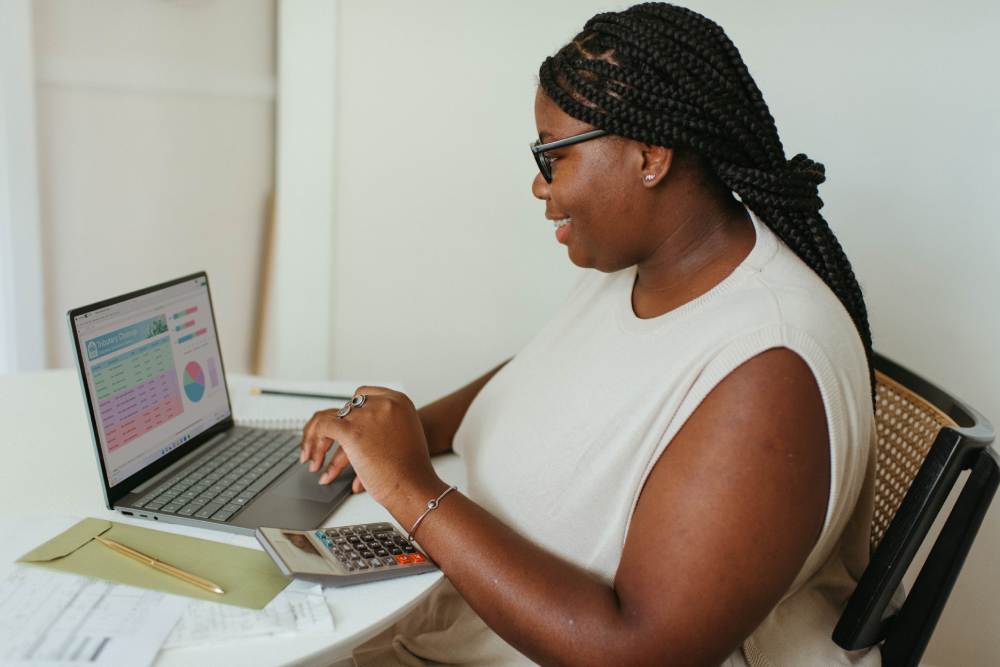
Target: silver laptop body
column 151, row 370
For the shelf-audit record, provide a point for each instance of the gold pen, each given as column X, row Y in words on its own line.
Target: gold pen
column 160, row 565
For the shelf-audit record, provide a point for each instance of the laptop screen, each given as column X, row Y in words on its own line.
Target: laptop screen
column 153, row 370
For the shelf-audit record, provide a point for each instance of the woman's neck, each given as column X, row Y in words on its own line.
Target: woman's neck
column 702, row 244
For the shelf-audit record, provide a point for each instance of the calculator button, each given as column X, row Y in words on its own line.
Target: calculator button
column 381, row 552
column 417, row 558
column 409, row 548
column 403, row 559
column 395, row 550
column 375, row 562
column 360, row 564
column 389, row 561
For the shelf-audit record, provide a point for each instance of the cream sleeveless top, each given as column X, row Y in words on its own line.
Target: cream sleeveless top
column 559, row 443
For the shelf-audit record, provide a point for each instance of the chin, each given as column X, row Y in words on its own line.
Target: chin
column 589, row 261
column 579, row 258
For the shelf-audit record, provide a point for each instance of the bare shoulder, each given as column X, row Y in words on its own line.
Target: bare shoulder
column 730, row 511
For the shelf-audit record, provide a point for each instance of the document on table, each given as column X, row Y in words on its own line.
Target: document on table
column 293, row 611
column 56, row 619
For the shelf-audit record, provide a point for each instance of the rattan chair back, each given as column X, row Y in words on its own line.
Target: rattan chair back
column 906, row 426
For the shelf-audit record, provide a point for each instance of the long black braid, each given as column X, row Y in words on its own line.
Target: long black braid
column 668, row 76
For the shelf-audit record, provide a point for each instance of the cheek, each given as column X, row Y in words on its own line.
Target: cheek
column 590, row 202
column 604, row 226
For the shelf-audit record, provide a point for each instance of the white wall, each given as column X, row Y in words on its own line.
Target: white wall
column 299, row 292
column 22, row 340
column 155, row 123
column 443, row 264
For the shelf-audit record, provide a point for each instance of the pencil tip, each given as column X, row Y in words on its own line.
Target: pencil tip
column 255, row 391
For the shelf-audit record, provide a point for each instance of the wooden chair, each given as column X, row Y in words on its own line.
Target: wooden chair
column 926, row 438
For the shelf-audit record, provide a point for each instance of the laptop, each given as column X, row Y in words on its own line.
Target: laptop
column 168, row 450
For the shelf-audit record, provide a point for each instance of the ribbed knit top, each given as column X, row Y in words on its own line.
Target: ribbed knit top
column 560, row 442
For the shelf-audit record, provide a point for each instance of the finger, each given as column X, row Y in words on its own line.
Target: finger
column 357, row 486
column 318, row 452
column 308, row 438
column 325, row 428
column 306, row 433
column 337, row 464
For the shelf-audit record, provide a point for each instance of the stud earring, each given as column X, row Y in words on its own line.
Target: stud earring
column 649, row 177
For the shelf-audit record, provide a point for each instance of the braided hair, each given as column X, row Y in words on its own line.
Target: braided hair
column 668, row 76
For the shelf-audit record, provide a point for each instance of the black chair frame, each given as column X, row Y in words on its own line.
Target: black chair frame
column 904, row 635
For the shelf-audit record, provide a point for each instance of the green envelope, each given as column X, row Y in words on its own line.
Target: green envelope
column 248, row 577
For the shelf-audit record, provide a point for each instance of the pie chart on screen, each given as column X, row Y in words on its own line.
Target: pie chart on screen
column 194, row 382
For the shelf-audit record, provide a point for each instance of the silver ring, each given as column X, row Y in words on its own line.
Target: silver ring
column 355, row 402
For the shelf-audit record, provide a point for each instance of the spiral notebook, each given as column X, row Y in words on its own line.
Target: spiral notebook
column 261, row 410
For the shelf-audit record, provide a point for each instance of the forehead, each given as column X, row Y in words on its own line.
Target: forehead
column 552, row 121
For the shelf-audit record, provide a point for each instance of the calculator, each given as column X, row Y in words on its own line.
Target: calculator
column 344, row 555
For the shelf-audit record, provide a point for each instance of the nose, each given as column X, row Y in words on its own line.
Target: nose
column 540, row 187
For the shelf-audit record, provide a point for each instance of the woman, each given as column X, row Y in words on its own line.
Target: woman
column 670, row 472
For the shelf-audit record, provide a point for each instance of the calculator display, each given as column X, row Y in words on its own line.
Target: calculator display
column 301, row 541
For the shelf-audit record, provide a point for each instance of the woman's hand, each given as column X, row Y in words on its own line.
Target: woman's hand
column 383, row 439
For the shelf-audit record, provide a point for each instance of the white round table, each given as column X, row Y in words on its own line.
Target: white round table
column 49, row 471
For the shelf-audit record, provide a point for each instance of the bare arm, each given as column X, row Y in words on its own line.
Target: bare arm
column 442, row 418
column 723, row 525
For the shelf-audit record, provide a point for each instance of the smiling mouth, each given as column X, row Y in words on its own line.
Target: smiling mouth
column 560, row 223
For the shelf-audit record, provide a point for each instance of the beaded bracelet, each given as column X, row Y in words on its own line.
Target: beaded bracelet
column 432, row 505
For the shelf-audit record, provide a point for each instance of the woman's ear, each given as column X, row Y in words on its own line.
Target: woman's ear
column 656, row 163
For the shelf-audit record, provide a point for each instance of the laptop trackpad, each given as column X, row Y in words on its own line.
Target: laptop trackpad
column 301, row 483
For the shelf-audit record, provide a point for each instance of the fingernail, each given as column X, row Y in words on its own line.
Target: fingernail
column 302, row 456
column 313, row 467
column 322, row 480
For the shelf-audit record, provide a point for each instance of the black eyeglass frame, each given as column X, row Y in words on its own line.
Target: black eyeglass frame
column 538, row 149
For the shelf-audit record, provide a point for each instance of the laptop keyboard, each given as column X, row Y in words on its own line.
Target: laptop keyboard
column 223, row 484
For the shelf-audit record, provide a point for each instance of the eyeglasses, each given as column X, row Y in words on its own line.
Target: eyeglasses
column 542, row 160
